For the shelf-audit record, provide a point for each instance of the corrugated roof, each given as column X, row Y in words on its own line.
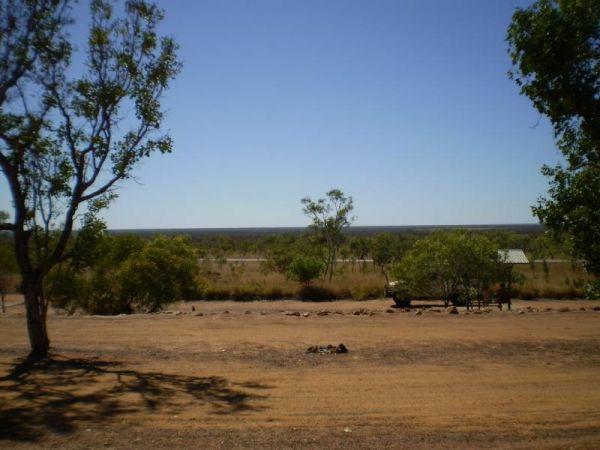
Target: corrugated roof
column 513, row 256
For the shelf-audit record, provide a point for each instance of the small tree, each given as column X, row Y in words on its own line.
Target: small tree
column 66, row 138
column 387, row 249
column 330, row 216
column 360, row 248
column 448, row 262
column 304, row 269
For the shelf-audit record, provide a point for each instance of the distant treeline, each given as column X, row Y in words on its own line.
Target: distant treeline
column 256, row 232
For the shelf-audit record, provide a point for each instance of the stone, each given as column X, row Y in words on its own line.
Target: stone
column 322, row 313
column 564, row 309
column 199, row 314
column 305, row 314
column 390, row 311
column 327, row 349
column 452, row 310
column 341, row 349
column 596, row 308
column 418, row 312
column 293, row 313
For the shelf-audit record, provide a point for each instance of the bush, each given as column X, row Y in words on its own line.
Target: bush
column 163, row 271
column 304, row 269
column 592, row 290
column 65, row 289
column 447, row 262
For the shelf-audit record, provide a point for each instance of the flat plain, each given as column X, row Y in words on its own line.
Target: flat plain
column 236, row 374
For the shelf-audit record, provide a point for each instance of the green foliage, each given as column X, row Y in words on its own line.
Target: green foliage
column 305, row 269
column 555, row 53
column 592, row 290
column 127, row 275
column 69, row 137
column 163, row 271
column 445, row 263
column 280, row 251
column 386, row 249
column 330, row 216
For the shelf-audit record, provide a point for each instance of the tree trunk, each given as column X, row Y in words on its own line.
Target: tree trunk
column 36, row 316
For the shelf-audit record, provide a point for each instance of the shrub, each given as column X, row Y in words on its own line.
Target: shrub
column 444, row 263
column 304, row 269
column 64, row 288
column 163, row 271
column 592, row 290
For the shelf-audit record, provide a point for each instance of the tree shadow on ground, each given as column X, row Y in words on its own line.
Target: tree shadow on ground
column 57, row 394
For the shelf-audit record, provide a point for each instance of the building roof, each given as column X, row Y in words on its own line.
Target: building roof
column 513, row 256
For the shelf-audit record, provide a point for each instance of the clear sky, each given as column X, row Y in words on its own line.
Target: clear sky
column 403, row 104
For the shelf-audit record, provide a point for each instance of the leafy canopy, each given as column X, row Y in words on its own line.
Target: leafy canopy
column 555, row 51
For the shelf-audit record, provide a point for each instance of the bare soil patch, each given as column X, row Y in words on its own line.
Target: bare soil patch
column 239, row 375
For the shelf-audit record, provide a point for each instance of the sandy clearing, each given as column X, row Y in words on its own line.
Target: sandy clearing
column 242, row 378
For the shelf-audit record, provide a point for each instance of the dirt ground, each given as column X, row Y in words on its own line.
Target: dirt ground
column 238, row 376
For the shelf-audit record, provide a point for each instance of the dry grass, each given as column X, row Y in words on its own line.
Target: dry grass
column 249, row 281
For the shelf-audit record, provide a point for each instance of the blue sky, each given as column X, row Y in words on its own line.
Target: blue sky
column 405, row 105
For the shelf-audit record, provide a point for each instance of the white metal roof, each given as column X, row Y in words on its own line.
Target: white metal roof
column 513, row 256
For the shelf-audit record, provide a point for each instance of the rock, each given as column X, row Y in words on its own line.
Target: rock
column 418, row 312
column 322, row 313
column 521, row 311
column 347, row 430
column 199, row 314
column 293, row 313
column 596, row 308
column 225, row 312
column 193, row 308
column 305, row 314
column 178, row 313
column 582, row 309
column 341, row 349
column 248, row 312
column 548, row 309
column 452, row 310
column 390, row 311
column 564, row 309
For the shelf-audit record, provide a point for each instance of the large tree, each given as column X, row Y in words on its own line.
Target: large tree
column 555, row 50
column 70, row 133
column 330, row 216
